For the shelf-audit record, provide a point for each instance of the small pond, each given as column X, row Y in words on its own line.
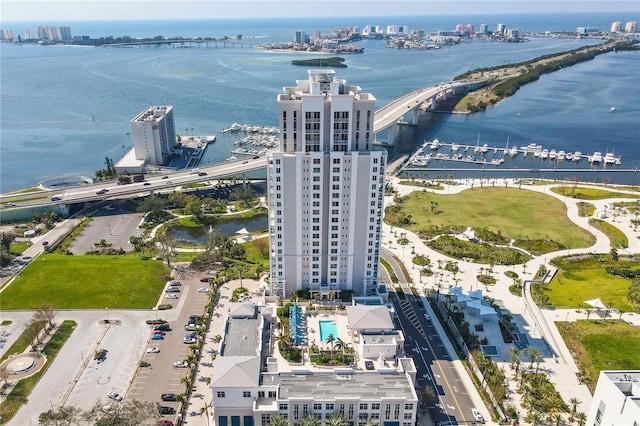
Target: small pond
column 229, row 227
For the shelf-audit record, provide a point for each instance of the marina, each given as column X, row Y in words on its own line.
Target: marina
column 435, row 150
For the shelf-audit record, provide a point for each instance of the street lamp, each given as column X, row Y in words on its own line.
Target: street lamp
column 51, row 404
column 107, row 310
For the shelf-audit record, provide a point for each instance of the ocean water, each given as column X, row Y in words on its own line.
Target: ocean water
column 64, row 109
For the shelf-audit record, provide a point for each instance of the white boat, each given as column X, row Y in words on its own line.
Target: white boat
column 561, row 155
column 577, row 156
column 233, row 128
column 553, row 154
column 435, row 144
column 596, row 158
column 455, row 147
column 612, row 109
column 609, row 158
column 569, row 156
column 484, row 148
column 544, row 154
column 513, row 151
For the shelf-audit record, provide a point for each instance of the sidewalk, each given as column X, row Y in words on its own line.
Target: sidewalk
column 539, row 324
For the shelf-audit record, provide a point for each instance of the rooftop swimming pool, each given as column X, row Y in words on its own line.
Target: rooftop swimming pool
column 327, row 328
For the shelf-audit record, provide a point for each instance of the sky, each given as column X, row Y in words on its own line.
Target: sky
column 101, row 10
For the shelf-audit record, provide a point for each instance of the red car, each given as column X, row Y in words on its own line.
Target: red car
column 164, row 422
column 159, row 332
column 204, row 279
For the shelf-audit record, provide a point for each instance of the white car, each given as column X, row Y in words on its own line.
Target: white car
column 153, row 350
column 203, row 290
column 180, row 364
column 171, row 296
column 477, row 416
column 115, row 396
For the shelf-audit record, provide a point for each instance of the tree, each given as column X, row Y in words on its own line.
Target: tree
column 556, row 418
column 534, row 355
column 310, row 420
column 581, row 418
column 165, row 246
column 336, row 420
column 341, row 345
column 64, row 416
column 6, row 239
column 46, row 313
column 514, row 352
column 125, row 413
column 278, row 421
column 330, row 339
column 262, row 244
column 204, row 410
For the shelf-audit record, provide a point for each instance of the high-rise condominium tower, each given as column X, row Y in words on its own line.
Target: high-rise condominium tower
column 326, row 189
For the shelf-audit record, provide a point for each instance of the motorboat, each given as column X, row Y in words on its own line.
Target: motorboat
column 544, row 154
column 513, row 151
column 553, row 154
column 455, row 147
column 569, row 156
column 577, row 156
column 596, row 158
column 484, row 148
column 435, row 144
column 609, row 158
column 561, row 155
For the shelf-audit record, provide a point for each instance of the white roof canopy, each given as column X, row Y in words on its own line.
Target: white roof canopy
column 596, row 303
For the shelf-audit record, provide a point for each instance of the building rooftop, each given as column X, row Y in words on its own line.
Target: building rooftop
column 153, row 113
column 373, row 317
column 242, row 336
column 329, row 385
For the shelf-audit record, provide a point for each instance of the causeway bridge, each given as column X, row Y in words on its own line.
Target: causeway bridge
column 18, row 206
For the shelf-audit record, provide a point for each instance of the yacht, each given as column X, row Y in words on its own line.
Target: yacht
column 553, row 154
column 577, row 156
column 596, row 158
column 544, row 154
column 569, row 156
column 513, row 151
column 435, row 144
column 455, row 147
column 484, row 148
column 561, row 155
column 609, row 158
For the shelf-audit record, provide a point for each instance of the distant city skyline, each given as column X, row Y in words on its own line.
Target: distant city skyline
column 101, row 10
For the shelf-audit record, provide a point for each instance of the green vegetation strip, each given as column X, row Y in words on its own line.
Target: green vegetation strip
column 387, row 266
column 23, row 342
column 584, row 277
column 333, row 62
column 617, row 238
column 20, row 393
column 590, row 193
column 87, row 282
column 25, row 191
column 508, row 212
column 601, row 345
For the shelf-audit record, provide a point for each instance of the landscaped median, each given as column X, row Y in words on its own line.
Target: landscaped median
column 20, row 392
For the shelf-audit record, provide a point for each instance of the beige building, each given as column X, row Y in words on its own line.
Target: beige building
column 326, row 189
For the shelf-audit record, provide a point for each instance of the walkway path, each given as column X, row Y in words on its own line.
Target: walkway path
column 539, row 324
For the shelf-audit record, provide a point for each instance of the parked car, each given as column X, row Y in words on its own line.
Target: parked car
column 477, row 415
column 174, row 283
column 204, row 279
column 164, row 327
column 167, row 410
column 203, row 290
column 190, row 327
column 180, row 364
column 368, row 365
column 169, row 397
column 171, row 296
column 172, row 290
column 164, row 422
column 157, row 336
column 159, row 332
column 189, row 339
column 153, row 350
column 115, row 396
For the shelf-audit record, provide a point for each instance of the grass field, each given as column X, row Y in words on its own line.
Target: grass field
column 586, row 278
column 87, row 282
column 516, row 213
column 602, row 345
column 595, row 193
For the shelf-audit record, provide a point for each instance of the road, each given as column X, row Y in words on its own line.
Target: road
column 435, row 365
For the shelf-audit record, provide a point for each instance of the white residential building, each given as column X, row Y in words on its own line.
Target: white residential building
column 616, row 27
column 153, row 133
column 249, row 387
column 631, row 27
column 500, row 28
column 616, row 400
column 326, row 189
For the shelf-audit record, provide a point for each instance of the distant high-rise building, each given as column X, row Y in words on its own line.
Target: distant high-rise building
column 470, row 28
column 154, row 135
column 299, row 37
column 500, row 28
column 484, row 29
column 30, row 35
column 397, row 30
column 460, row 27
column 616, row 27
column 6, row 34
column 631, row 27
column 616, row 399
column 54, row 33
column 326, row 190
column 372, row 31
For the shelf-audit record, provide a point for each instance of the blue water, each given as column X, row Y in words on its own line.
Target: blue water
column 327, row 328
column 64, row 109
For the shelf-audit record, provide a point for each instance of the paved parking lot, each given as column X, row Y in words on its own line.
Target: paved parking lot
column 114, row 226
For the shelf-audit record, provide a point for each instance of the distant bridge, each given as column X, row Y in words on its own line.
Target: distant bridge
column 186, row 43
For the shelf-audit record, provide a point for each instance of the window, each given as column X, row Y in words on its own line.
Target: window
column 260, row 394
column 329, row 407
column 599, row 415
column 408, row 406
column 246, row 394
column 265, row 419
column 220, row 394
column 283, row 407
column 408, row 415
column 364, row 406
column 317, row 407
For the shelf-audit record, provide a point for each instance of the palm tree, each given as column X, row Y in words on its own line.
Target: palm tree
column 310, row 420
column 341, row 345
column 336, row 420
column 278, row 421
column 574, row 402
column 556, row 418
column 581, row 418
column 514, row 352
column 205, row 410
column 534, row 418
column 330, row 339
column 534, row 355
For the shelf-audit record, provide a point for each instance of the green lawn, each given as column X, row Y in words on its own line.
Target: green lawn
column 87, row 282
column 585, row 278
column 515, row 213
column 602, row 345
column 595, row 193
